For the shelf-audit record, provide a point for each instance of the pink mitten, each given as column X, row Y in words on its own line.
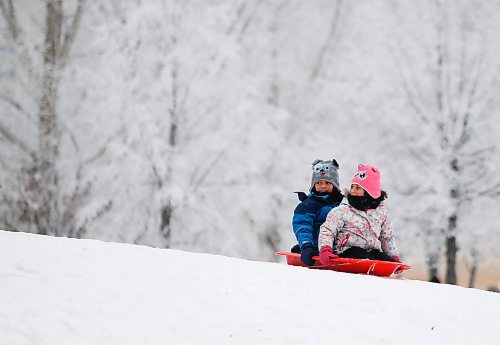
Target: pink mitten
column 326, row 254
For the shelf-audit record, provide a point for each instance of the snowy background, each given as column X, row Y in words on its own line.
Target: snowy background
column 66, row 291
column 189, row 124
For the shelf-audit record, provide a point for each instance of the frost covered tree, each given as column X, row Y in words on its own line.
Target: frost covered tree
column 38, row 40
column 448, row 75
column 188, row 124
column 196, row 130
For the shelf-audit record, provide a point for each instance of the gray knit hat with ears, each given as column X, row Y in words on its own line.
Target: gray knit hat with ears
column 325, row 170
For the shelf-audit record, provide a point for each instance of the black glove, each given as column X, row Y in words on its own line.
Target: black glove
column 307, row 252
column 295, row 249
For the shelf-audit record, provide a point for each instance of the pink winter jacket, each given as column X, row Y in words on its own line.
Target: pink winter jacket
column 347, row 227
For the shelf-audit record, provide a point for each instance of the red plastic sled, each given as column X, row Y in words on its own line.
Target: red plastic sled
column 363, row 266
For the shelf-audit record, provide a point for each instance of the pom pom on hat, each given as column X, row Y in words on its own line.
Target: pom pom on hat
column 368, row 178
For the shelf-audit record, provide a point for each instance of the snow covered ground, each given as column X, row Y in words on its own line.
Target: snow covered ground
column 67, row 291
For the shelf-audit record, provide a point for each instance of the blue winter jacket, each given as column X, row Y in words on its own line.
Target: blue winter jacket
column 310, row 214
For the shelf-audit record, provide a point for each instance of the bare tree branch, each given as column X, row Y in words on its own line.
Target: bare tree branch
column 82, row 229
column 479, row 153
column 465, row 123
column 15, row 140
column 156, row 175
column 490, row 191
column 9, row 15
column 197, row 180
column 439, row 59
column 70, row 35
column 462, row 77
column 331, row 38
column 237, row 19
column 17, row 106
column 248, row 20
column 410, row 95
column 103, row 149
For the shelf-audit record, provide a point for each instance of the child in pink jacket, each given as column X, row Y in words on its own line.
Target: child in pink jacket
column 360, row 228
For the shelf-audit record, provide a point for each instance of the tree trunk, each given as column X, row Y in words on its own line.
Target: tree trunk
column 166, row 217
column 451, row 252
column 451, row 239
column 167, row 210
column 432, row 266
column 47, row 126
column 472, row 276
column 473, row 269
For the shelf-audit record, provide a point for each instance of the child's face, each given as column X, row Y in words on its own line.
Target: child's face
column 356, row 190
column 323, row 186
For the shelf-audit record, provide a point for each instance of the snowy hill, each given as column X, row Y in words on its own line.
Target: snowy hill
column 67, row 291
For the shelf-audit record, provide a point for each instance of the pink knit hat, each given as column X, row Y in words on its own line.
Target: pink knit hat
column 368, row 178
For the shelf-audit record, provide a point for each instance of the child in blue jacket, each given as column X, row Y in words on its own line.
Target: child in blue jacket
column 311, row 212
